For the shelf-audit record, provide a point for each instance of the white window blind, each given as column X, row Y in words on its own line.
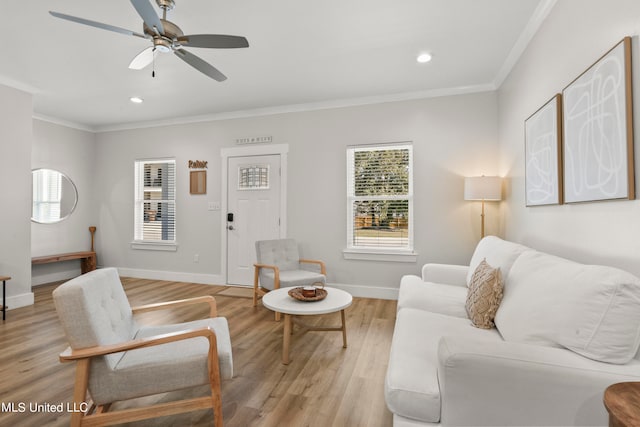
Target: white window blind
column 155, row 201
column 380, row 197
column 47, row 196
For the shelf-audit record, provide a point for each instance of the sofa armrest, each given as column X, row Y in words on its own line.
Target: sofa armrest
column 447, row 274
column 505, row 383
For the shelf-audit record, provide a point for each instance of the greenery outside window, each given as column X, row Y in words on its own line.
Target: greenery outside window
column 380, row 199
column 155, row 204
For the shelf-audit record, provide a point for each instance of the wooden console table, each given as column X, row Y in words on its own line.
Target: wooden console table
column 4, row 296
column 622, row 401
column 87, row 259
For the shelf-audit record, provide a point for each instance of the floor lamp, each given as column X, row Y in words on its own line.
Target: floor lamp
column 483, row 188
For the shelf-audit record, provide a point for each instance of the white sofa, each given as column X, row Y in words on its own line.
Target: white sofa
column 564, row 332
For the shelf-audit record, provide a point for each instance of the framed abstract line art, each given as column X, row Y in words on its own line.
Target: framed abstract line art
column 543, row 155
column 598, row 130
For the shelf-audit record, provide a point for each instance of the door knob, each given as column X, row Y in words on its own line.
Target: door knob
column 230, row 227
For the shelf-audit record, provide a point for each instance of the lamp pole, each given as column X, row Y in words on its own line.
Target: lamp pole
column 482, row 221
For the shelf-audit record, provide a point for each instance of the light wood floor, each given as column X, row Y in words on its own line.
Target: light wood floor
column 324, row 385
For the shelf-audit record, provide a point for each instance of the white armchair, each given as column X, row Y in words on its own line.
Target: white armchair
column 117, row 359
column 279, row 265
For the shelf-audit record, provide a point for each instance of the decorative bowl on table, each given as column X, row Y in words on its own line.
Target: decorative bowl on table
column 308, row 293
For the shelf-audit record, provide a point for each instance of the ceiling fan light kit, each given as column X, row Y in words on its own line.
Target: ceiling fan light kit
column 423, row 58
column 167, row 37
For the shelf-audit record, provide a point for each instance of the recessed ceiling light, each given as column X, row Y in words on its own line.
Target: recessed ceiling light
column 136, row 100
column 423, row 57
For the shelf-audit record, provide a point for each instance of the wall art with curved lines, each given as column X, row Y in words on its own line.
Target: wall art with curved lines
column 598, row 131
column 543, row 155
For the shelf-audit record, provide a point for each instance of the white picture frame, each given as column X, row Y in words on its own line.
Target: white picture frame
column 543, row 154
column 598, row 130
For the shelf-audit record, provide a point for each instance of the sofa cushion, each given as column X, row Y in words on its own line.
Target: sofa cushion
column 150, row 370
column 498, row 253
column 592, row 310
column 484, row 296
column 412, row 389
column 433, row 297
column 218, row 324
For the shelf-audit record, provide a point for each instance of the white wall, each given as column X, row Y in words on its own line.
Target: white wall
column 15, row 194
column 574, row 36
column 71, row 152
column 452, row 136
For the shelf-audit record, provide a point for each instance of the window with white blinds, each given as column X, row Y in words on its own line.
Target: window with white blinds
column 155, row 201
column 380, row 197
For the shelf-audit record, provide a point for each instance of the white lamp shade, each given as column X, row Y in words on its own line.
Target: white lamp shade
column 483, row 188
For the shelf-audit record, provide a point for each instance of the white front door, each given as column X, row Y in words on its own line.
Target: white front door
column 253, row 211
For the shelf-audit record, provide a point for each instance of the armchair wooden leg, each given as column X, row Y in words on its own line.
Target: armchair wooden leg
column 217, row 409
column 103, row 408
column 80, row 390
column 255, row 286
column 214, row 380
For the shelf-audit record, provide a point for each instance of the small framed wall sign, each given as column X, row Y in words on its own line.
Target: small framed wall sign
column 598, row 130
column 198, row 178
column 543, row 154
column 198, row 182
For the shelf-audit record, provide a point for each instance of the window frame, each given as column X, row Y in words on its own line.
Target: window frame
column 380, row 253
column 139, row 202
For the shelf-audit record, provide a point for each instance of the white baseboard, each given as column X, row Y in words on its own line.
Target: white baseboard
column 175, row 276
column 54, row 277
column 18, row 301
column 216, row 279
column 367, row 291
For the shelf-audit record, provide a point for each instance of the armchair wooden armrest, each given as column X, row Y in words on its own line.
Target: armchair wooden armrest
column 323, row 268
column 276, row 275
column 213, row 310
column 256, row 281
column 70, row 355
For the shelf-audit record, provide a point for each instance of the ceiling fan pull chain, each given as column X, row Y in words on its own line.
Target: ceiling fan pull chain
column 153, row 71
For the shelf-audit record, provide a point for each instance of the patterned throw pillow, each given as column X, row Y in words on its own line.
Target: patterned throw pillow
column 484, row 295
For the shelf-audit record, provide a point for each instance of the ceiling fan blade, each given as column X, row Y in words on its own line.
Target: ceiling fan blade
column 200, row 64
column 218, row 41
column 143, row 59
column 96, row 24
column 148, row 14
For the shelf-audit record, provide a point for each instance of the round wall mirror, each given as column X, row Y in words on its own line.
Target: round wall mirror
column 54, row 196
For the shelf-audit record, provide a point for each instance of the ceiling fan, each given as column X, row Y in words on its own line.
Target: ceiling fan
column 167, row 37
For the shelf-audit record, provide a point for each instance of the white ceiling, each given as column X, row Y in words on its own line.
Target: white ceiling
column 303, row 54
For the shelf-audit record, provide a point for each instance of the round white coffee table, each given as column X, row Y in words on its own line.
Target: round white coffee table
column 279, row 301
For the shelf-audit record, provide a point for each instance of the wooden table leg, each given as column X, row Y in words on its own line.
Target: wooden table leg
column 4, row 300
column 344, row 330
column 286, row 339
